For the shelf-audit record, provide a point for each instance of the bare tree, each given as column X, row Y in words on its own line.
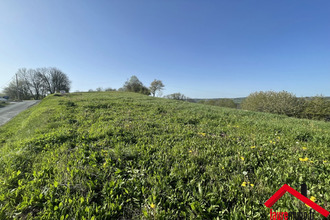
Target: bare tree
column 54, row 80
column 36, row 83
column 17, row 92
column 155, row 86
column 24, row 81
column 32, row 81
column 59, row 80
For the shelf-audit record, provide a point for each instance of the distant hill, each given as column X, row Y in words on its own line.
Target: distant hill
column 236, row 100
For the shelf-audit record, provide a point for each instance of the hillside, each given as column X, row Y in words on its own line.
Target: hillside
column 114, row 155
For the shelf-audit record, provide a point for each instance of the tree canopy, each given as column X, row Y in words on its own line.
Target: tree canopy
column 156, row 85
column 135, row 85
column 37, row 83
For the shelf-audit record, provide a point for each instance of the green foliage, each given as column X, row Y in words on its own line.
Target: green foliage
column 176, row 96
column 318, row 108
column 119, row 155
column 134, row 85
column 156, row 85
column 283, row 103
column 228, row 103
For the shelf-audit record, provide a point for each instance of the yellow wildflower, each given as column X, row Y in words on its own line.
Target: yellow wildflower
column 253, row 147
column 313, row 200
column 244, row 184
column 203, row 134
column 252, row 185
column 303, row 159
column 325, row 161
column 190, row 151
column 223, row 168
column 152, row 205
column 304, row 148
column 242, row 158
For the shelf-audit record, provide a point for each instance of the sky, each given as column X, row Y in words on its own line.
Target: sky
column 202, row 49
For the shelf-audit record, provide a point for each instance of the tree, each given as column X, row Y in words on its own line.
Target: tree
column 22, row 91
column 317, row 108
column 275, row 102
column 134, row 85
column 33, row 81
column 109, row 89
column 54, row 80
column 176, row 96
column 155, row 86
column 36, row 83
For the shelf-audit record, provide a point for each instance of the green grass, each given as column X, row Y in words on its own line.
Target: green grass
column 115, row 155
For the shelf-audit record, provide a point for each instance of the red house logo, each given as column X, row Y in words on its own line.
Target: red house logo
column 286, row 188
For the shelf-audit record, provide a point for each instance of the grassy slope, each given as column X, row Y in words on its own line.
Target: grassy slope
column 123, row 155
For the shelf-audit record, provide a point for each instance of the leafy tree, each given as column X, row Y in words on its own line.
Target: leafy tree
column 109, row 89
column 134, row 85
column 176, row 96
column 275, row 102
column 156, row 85
column 318, row 108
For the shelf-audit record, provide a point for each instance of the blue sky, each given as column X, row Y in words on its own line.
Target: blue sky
column 203, row 49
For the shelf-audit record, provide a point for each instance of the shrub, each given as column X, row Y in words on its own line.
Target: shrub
column 275, row 102
column 317, row 108
column 176, row 96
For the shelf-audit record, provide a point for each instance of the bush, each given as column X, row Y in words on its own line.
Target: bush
column 284, row 103
column 317, row 108
column 176, row 96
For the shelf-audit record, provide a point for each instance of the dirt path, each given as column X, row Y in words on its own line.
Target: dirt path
column 10, row 111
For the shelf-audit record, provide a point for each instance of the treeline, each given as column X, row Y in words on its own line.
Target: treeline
column 228, row 103
column 135, row 85
column 37, row 83
column 286, row 103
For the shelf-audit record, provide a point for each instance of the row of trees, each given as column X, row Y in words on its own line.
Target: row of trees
column 288, row 104
column 177, row 96
column 37, row 83
column 135, row 85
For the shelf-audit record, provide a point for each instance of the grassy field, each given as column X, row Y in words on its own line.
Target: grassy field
column 113, row 155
